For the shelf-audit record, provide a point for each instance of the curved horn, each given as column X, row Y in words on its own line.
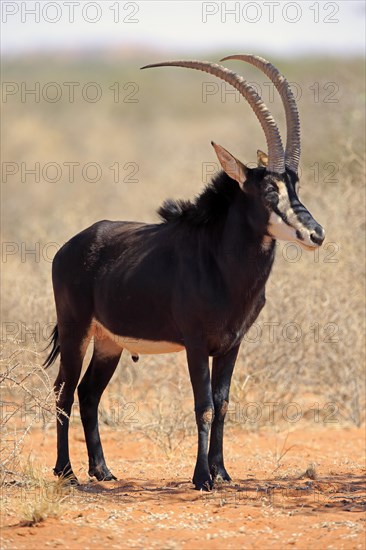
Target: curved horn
column 275, row 148
column 293, row 146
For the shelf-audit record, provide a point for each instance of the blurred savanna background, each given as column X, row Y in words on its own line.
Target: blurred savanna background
column 88, row 136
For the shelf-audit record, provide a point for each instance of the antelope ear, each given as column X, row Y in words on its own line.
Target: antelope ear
column 232, row 166
column 262, row 158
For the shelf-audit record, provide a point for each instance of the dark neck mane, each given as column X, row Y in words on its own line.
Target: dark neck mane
column 210, row 207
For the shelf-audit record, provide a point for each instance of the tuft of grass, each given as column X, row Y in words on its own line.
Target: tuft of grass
column 41, row 499
column 310, row 472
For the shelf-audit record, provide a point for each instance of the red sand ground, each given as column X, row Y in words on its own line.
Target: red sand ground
column 270, row 504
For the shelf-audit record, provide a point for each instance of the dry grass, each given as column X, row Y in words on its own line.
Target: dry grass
column 43, row 498
column 27, row 400
column 315, row 362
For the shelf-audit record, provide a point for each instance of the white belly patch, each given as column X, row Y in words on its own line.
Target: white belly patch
column 135, row 346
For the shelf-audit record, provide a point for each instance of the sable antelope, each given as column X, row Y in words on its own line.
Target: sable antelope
column 194, row 282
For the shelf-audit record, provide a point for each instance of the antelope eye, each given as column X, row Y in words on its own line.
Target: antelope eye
column 272, row 197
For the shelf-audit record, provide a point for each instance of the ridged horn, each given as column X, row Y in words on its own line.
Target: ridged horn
column 293, row 145
column 276, row 156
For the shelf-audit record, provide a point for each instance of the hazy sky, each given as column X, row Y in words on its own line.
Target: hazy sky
column 278, row 27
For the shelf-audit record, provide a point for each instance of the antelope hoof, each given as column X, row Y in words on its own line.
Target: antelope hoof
column 219, row 474
column 203, row 484
column 68, row 477
column 102, row 474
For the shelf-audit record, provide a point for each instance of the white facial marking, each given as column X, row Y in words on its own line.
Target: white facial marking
column 136, row 346
column 281, row 230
